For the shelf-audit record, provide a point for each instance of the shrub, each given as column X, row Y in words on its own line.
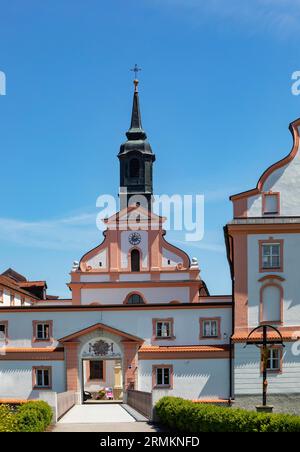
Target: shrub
column 186, row 416
column 33, row 416
column 7, row 419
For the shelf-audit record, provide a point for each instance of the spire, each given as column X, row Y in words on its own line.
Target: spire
column 136, row 131
column 136, row 159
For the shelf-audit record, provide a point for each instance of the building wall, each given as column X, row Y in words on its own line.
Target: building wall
column 6, row 299
column 192, row 379
column 151, row 295
column 284, row 180
column 135, row 322
column 248, row 376
column 16, row 378
column 290, row 285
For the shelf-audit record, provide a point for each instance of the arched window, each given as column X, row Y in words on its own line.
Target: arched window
column 135, row 298
column 134, row 168
column 271, row 300
column 135, row 260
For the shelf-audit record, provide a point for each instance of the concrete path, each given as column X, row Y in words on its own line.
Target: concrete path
column 106, row 427
column 96, row 414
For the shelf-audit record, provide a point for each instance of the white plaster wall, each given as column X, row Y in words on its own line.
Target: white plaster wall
column 16, row 378
column 135, row 276
column 151, row 295
column 177, row 276
column 17, row 302
column 126, row 246
column 95, row 278
column 254, row 204
column 204, row 380
column 168, row 255
column 286, row 181
column 271, row 303
column 215, row 299
column 100, row 257
column 291, row 305
column 135, row 322
column 248, row 378
column 193, row 379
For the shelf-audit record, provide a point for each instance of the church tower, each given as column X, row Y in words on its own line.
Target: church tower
column 136, row 161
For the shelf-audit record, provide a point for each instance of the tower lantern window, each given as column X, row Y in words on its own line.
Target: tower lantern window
column 134, row 168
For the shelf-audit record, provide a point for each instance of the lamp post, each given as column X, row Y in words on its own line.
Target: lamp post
column 264, row 342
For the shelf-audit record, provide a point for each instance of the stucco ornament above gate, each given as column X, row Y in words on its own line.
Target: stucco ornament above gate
column 103, row 348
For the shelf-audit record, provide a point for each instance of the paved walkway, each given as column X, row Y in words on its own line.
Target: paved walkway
column 96, row 414
column 106, row 427
column 102, row 418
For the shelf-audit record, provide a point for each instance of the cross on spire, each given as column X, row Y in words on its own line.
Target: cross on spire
column 136, row 69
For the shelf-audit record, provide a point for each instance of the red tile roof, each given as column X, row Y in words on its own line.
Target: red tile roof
column 11, row 284
column 183, row 348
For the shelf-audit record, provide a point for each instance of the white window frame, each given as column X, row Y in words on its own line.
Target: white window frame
column 271, row 256
column 45, row 331
column 165, row 371
column 210, row 322
column 272, row 359
column 165, row 324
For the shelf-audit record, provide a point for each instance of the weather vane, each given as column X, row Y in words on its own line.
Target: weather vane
column 136, row 69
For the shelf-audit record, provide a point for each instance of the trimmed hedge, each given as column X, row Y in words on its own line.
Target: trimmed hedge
column 186, row 416
column 33, row 416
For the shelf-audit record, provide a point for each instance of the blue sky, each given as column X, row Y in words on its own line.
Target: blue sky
column 216, row 102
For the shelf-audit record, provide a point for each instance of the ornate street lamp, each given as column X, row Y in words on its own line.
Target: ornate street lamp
column 263, row 344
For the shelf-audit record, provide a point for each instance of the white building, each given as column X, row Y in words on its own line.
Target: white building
column 141, row 320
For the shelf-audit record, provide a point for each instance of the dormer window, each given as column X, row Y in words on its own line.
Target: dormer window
column 271, row 203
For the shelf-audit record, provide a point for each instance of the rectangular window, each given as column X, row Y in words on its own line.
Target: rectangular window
column 271, row 255
column 274, row 359
column 210, row 328
column 271, row 203
column 163, row 376
column 96, row 370
column 12, row 299
column 42, row 377
column 42, row 331
column 163, row 329
column 1, row 296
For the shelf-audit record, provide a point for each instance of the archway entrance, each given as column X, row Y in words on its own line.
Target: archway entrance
column 101, row 371
column 101, row 342
column 102, row 380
